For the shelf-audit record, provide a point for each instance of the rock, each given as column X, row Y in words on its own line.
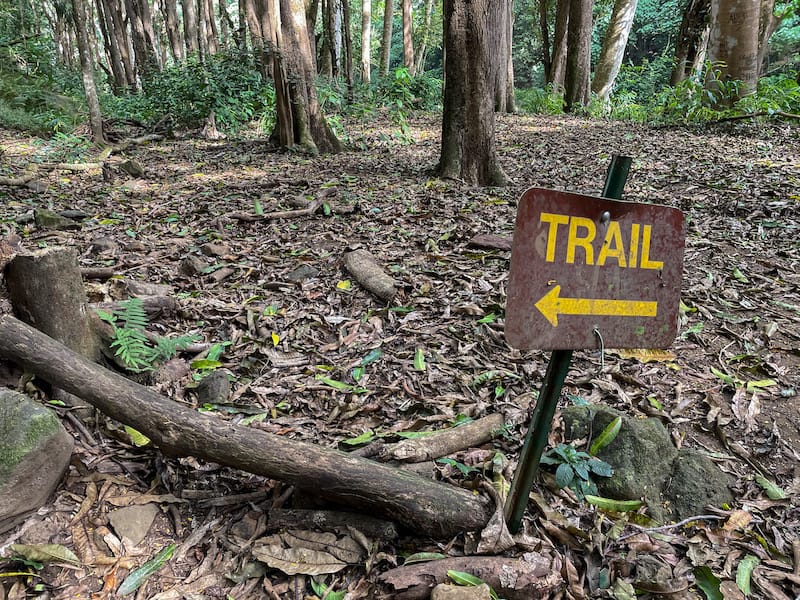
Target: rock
column 214, row 388
column 191, row 265
column 134, row 521
column 48, row 219
column 302, row 273
column 675, row 483
column 132, row 167
column 445, row 591
column 34, row 454
column 696, row 481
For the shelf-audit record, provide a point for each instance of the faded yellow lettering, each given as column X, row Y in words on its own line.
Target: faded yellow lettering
column 646, row 262
column 634, row 253
column 585, row 241
column 612, row 246
column 554, row 221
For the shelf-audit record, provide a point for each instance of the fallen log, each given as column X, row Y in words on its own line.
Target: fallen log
column 417, row 503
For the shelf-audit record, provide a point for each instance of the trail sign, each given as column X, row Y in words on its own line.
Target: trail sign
column 586, row 269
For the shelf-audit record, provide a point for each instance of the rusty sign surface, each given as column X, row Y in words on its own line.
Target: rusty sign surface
column 585, row 268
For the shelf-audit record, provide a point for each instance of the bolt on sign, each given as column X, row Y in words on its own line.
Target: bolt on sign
column 590, row 272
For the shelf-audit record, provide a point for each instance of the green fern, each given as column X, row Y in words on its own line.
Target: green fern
column 130, row 343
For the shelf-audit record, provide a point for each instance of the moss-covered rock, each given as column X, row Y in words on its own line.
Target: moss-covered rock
column 34, row 453
column 675, row 483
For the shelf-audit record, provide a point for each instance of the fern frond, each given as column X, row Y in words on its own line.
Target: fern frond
column 131, row 314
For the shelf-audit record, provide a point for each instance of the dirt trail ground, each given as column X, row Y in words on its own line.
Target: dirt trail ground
column 296, row 320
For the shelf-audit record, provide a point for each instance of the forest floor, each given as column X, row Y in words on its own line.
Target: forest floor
column 314, row 356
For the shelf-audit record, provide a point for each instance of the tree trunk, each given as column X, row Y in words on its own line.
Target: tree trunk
column 579, row 54
column 423, row 38
column 558, row 66
column 613, row 50
column 504, row 85
column 208, row 25
column 308, row 127
column 733, row 45
column 173, row 33
column 544, row 32
column 692, row 39
column 120, row 82
column 312, row 10
column 87, row 70
column 768, row 23
column 386, row 39
column 144, row 55
column 366, row 40
column 123, row 41
column 408, row 41
column 473, row 33
column 428, row 506
column 190, row 33
column 225, row 24
column 347, row 42
column 328, row 60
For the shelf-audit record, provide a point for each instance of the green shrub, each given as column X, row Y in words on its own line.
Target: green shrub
column 228, row 83
column 540, row 101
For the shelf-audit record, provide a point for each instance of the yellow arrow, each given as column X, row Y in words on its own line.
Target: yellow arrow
column 551, row 305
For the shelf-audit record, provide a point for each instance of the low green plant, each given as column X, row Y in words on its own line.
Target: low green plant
column 575, row 468
column 132, row 346
column 540, row 101
column 66, row 148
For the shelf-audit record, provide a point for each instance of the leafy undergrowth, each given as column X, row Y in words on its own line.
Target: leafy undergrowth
column 314, row 356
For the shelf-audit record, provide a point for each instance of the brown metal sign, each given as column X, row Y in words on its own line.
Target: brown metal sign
column 589, row 271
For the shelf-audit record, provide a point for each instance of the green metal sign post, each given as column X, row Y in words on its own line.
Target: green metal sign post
column 539, row 427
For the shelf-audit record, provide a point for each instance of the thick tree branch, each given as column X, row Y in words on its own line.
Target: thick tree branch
column 415, row 502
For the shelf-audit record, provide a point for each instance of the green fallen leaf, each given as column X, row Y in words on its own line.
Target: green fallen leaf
column 419, row 360
column 205, row 364
column 614, row 505
column 257, row 208
column 45, row 553
column 139, row 576
column 365, row 437
column 608, row 435
column 773, row 491
column 421, row 557
column 752, row 386
column 139, row 439
column 744, row 571
column 708, row 583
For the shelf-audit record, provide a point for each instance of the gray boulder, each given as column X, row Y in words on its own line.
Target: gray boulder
column 676, row 484
column 34, row 454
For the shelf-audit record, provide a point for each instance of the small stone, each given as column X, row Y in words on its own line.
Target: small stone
column 191, row 265
column 103, row 244
column 133, row 522
column 132, row 167
column 214, row 388
column 215, row 249
column 302, row 273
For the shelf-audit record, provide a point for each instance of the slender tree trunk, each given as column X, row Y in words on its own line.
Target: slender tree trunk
column 423, row 38
column 768, row 23
column 225, row 24
column 386, row 39
column 112, row 49
column 366, row 40
column 87, row 69
column 190, row 34
column 558, row 67
column 613, row 50
column 544, row 31
column 733, row 44
column 119, row 32
column 504, row 87
column 692, row 39
column 408, row 41
column 309, row 129
column 173, row 33
column 138, row 13
column 208, row 27
column 149, row 31
column 347, row 42
column 312, row 12
column 473, row 36
column 579, row 46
